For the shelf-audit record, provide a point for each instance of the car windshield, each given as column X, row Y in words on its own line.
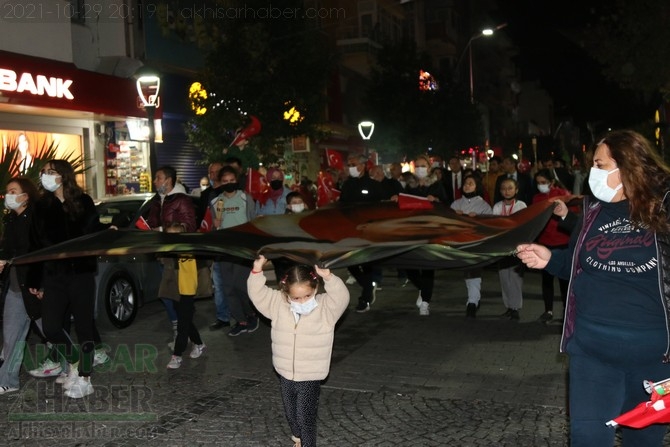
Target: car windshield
column 119, row 213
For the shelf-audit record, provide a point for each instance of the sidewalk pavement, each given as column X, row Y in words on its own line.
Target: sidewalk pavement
column 396, row 379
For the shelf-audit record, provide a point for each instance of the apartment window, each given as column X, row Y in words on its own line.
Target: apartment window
column 366, row 25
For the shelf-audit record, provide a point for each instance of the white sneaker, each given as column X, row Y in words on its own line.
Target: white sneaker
column 47, row 368
column 80, row 387
column 71, row 378
column 100, row 357
column 175, row 362
column 424, row 309
column 197, row 351
column 350, row 280
column 7, row 389
column 419, row 300
column 62, row 378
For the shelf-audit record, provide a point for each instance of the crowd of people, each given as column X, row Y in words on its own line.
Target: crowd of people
column 609, row 297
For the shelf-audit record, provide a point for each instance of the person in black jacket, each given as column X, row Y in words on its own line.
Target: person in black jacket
column 361, row 188
column 68, row 285
column 390, row 187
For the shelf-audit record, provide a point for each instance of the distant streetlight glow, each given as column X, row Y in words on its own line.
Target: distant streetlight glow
column 484, row 33
column 366, row 128
column 148, row 87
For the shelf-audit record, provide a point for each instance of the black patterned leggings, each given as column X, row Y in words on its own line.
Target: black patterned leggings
column 301, row 403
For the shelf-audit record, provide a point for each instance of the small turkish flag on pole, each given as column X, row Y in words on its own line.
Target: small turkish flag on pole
column 243, row 135
column 326, row 192
column 206, row 225
column 257, row 186
column 142, row 224
column 654, row 411
column 334, row 159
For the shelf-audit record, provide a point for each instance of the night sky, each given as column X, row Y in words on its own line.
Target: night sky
column 570, row 75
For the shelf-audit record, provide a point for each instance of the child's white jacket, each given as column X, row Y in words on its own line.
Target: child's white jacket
column 300, row 351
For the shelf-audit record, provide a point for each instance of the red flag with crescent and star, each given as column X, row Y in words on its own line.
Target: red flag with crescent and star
column 334, row 159
column 242, row 136
column 257, row 186
column 325, row 189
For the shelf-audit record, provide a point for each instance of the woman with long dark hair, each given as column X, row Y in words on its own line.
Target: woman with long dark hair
column 68, row 285
column 618, row 304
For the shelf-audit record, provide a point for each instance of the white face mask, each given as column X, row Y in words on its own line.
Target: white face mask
column 297, row 207
column 543, row 188
column 204, row 187
column 49, row 182
column 421, row 172
column 599, row 187
column 11, row 203
column 304, row 308
column 403, row 184
column 353, row 171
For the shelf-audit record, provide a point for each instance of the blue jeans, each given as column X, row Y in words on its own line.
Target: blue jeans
column 169, row 308
column 222, row 309
column 235, row 283
column 601, row 391
column 15, row 324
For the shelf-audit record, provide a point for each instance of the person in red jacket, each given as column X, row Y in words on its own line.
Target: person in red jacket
column 552, row 236
column 170, row 205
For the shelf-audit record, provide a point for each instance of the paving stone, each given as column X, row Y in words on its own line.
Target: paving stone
column 396, row 379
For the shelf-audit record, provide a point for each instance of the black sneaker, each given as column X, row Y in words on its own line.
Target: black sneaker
column 363, row 306
column 252, row 324
column 547, row 316
column 507, row 314
column 237, row 330
column 514, row 315
column 471, row 310
column 218, row 324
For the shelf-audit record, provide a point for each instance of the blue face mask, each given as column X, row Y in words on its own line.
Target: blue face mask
column 305, row 307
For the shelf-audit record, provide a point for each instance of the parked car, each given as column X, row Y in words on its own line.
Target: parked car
column 125, row 283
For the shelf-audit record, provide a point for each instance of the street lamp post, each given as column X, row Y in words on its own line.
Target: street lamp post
column 365, row 129
column 468, row 48
column 148, row 87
